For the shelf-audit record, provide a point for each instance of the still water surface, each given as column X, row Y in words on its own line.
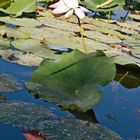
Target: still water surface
column 118, row 110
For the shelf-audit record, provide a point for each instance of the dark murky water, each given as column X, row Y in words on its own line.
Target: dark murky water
column 118, row 110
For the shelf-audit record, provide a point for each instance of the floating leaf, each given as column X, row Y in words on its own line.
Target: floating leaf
column 19, row 6
column 22, row 58
column 135, row 46
column 122, row 58
column 31, row 116
column 102, row 38
column 26, row 22
column 73, row 80
column 134, row 16
column 34, row 46
column 13, row 33
column 94, row 4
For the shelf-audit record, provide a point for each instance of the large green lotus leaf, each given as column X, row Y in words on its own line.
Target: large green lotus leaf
column 26, row 22
column 4, row 43
column 73, row 80
column 21, row 58
column 19, row 6
column 31, row 116
column 8, row 84
column 5, row 3
column 34, row 46
column 93, row 3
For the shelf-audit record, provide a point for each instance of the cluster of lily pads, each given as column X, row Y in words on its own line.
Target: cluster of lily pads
column 68, row 78
column 66, row 75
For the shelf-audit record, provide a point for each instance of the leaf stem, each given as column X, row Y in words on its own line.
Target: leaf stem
column 82, row 35
column 109, row 15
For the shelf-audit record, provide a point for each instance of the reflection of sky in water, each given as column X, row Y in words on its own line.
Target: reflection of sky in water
column 21, row 74
column 118, row 109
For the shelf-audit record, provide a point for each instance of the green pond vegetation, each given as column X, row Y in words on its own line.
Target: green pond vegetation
column 72, row 62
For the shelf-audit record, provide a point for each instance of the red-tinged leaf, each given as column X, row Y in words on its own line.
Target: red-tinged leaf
column 33, row 135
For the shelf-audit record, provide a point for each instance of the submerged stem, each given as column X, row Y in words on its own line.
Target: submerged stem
column 82, row 36
column 123, row 76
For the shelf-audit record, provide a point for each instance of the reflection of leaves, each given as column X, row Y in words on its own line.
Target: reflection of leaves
column 73, row 80
column 2, row 98
column 8, row 84
column 30, row 116
column 131, row 80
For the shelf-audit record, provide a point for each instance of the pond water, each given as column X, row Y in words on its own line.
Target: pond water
column 118, row 110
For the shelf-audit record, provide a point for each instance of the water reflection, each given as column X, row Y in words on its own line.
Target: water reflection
column 118, row 109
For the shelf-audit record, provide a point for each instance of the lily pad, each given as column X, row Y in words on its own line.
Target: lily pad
column 135, row 46
column 13, row 33
column 8, row 84
column 18, row 7
column 94, row 4
column 31, row 116
column 102, row 38
column 73, row 80
column 34, row 46
column 22, row 58
column 26, row 22
column 123, row 58
column 134, row 16
column 98, row 35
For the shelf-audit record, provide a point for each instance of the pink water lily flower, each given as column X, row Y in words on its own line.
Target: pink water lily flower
column 69, row 7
